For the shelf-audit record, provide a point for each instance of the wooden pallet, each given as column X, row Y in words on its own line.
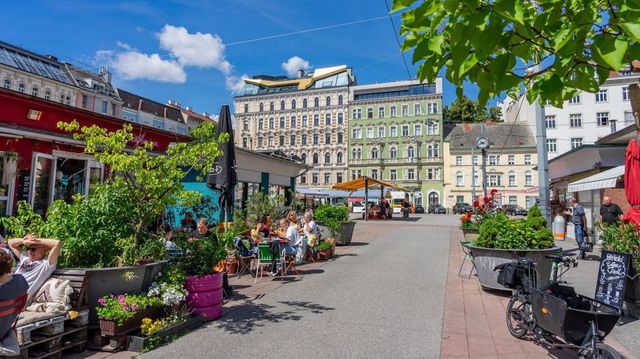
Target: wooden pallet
column 43, row 346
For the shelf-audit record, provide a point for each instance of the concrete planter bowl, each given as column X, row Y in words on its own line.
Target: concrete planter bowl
column 119, row 280
column 470, row 234
column 343, row 237
column 486, row 259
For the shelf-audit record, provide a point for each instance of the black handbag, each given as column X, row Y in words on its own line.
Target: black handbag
column 508, row 275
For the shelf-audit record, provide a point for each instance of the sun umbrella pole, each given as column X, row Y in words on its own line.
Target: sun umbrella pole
column 366, row 199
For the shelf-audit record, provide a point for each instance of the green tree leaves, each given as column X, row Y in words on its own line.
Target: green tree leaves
column 493, row 43
column 466, row 110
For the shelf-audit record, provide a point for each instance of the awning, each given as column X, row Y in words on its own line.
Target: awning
column 606, row 179
column 359, row 183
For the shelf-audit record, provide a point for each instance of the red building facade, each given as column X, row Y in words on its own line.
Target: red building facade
column 40, row 162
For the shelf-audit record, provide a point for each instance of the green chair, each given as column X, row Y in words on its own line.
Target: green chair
column 265, row 257
column 465, row 270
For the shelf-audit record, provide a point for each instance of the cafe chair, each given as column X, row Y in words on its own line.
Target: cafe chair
column 244, row 256
column 265, row 257
column 289, row 262
column 467, row 267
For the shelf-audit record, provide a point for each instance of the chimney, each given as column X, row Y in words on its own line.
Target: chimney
column 165, row 112
column 139, row 104
column 300, row 73
column 188, row 108
column 205, row 114
column 105, row 74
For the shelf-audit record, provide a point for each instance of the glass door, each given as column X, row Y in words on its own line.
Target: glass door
column 70, row 178
column 7, row 184
column 42, row 183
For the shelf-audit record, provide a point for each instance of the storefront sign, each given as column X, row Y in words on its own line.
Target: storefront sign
column 24, row 185
column 612, row 278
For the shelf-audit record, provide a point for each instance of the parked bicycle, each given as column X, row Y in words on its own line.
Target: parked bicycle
column 557, row 311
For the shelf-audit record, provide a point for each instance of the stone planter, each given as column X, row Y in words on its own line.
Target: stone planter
column 470, row 234
column 118, row 280
column 111, row 328
column 486, row 259
column 138, row 343
column 343, row 237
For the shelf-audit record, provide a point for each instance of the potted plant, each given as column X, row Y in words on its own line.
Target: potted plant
column 333, row 221
column 471, row 221
column 323, row 251
column 625, row 238
column 503, row 239
column 121, row 313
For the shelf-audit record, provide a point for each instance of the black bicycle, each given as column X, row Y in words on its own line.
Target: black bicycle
column 557, row 311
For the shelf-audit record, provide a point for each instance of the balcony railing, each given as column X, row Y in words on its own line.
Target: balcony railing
column 398, row 160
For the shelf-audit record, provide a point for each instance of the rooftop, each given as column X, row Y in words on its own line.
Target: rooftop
column 24, row 60
column 334, row 76
column 139, row 103
column 501, row 135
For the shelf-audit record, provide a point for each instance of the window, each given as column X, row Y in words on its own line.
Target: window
column 293, row 121
column 21, row 87
column 315, row 158
column 603, row 118
column 246, row 108
column 370, row 112
column 271, row 108
column 304, row 158
column 374, row 153
column 393, row 174
column 356, row 133
column 512, row 179
column 105, row 105
column 601, row 96
column 433, row 150
column 281, row 141
column 405, row 130
column 281, row 122
column 374, row 174
column 416, row 109
column 47, row 95
column 259, row 142
column 356, row 113
column 340, row 103
column 304, row 103
column 625, row 93
column 405, row 110
column 474, row 160
column 270, row 142
column 393, row 153
column 34, row 91
column 327, row 138
column 316, row 120
column 459, row 199
column 431, row 173
column 552, row 145
column 271, row 124
column 85, row 101
column 327, row 119
column 61, row 98
column 292, row 140
column 550, row 121
column 495, row 180
column 576, row 142
column 530, row 201
column 381, row 112
column 7, row 84
column 411, row 174
column 328, row 101
column 315, row 139
column 527, row 159
column 381, row 131
column 245, row 142
column 356, row 153
column 432, row 128
column 304, row 121
column 575, row 120
column 303, row 140
column 260, row 124
column 394, row 131
column 303, row 179
column 340, row 119
column 494, row 160
column 327, row 158
column 432, row 108
column 417, row 130
column 393, row 111
column 513, row 200
column 339, row 138
column 339, row 157
column 370, row 132
column 459, row 179
column 68, row 101
column 574, row 100
column 339, row 174
column 476, row 178
column 314, row 178
column 528, row 179
column 316, row 102
column 411, row 153
column 511, row 159
column 458, row 160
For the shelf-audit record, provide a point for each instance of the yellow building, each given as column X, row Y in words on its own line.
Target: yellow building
column 511, row 159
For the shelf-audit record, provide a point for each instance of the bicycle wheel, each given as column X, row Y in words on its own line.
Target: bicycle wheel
column 518, row 311
column 603, row 351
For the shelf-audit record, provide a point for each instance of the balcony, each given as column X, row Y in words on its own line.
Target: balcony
column 395, row 161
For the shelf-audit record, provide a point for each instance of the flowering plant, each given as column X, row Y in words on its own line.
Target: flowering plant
column 124, row 306
column 169, row 294
column 150, row 327
column 624, row 237
column 482, row 210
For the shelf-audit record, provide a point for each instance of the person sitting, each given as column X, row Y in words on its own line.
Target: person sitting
column 166, row 236
column 202, row 231
column 292, row 216
column 12, row 287
column 35, row 265
column 262, row 230
column 311, row 232
column 292, row 236
column 187, row 223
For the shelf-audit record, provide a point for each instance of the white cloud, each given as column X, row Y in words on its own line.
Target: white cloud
column 235, row 83
column 201, row 50
column 131, row 65
column 294, row 64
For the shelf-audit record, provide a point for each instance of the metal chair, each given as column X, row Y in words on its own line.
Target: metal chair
column 288, row 262
column 244, row 256
column 265, row 257
column 465, row 271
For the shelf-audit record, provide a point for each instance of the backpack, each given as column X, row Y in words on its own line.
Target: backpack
column 509, row 275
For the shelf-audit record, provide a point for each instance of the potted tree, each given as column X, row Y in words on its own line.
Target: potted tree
column 324, row 251
column 333, row 221
column 504, row 239
column 625, row 238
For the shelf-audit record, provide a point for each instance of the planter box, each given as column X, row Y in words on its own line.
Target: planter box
column 110, row 327
column 486, row 259
column 343, row 237
column 324, row 255
column 138, row 343
column 470, row 234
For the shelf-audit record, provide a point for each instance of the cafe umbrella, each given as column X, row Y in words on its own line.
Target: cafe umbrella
column 226, row 178
column 631, row 180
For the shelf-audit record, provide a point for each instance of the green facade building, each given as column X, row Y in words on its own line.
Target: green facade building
column 395, row 134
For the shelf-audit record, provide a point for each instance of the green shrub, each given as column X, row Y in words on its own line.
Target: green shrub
column 623, row 238
column 334, row 217
column 502, row 232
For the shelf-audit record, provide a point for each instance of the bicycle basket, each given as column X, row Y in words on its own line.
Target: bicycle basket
column 509, row 275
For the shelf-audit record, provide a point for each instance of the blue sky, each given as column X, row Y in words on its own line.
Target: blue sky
column 154, row 48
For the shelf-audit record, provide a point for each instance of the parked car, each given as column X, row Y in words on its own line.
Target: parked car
column 461, row 207
column 418, row 209
column 437, row 209
column 514, row 210
column 357, row 207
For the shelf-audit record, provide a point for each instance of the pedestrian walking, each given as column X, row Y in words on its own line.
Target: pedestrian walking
column 405, row 209
column 579, row 220
column 610, row 212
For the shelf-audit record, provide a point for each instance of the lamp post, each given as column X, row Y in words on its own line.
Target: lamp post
column 483, row 144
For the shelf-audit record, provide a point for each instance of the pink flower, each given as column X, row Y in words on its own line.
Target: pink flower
column 101, row 301
column 134, row 307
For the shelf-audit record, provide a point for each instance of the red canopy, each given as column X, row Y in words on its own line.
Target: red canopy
column 632, row 181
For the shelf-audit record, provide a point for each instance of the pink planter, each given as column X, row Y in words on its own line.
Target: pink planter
column 205, row 295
